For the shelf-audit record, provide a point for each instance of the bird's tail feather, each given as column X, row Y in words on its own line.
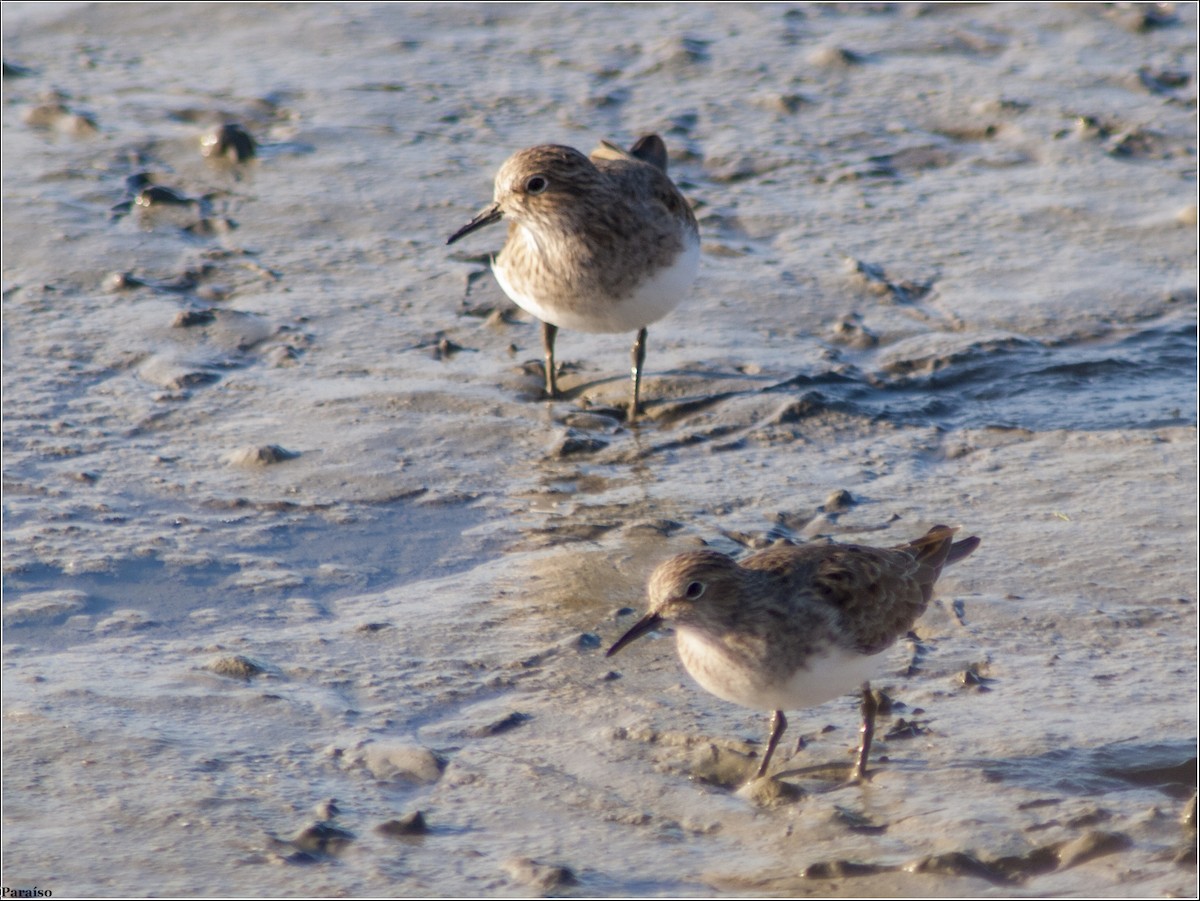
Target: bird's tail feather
column 937, row 549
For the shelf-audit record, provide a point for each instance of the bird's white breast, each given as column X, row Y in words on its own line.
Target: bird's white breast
column 650, row 298
column 761, row 685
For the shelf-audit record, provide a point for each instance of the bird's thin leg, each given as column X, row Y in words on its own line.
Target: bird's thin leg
column 778, row 724
column 639, row 359
column 869, row 708
column 548, row 334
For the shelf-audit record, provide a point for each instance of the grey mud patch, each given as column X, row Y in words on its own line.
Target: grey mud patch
column 295, row 558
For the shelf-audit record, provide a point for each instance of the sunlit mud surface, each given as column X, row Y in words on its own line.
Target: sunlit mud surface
column 306, row 591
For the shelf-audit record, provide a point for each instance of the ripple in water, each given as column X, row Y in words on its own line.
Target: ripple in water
column 1146, row 380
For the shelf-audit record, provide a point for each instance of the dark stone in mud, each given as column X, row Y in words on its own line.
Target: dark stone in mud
column 236, row 667
column 973, row 677
column 188, row 318
column 1091, row 128
column 327, row 809
column 885, row 704
column 321, row 838
column 15, row 70
column 1163, row 81
column 505, row 724
column 839, row 500
column 1142, row 17
column 263, row 455
column 573, row 443
column 230, row 141
column 786, row 104
column 588, row 641
column 372, row 628
column 122, row 281
column 409, row 824
column 445, row 349
column 906, row 729
column 842, row 869
column 158, row 195
column 137, row 181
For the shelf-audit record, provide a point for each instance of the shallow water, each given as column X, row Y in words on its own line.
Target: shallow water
column 285, row 522
column 1140, row 380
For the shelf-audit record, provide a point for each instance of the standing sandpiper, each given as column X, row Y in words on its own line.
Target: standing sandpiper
column 793, row 627
column 599, row 244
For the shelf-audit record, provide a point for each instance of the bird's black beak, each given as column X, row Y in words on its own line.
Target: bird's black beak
column 647, row 623
column 487, row 216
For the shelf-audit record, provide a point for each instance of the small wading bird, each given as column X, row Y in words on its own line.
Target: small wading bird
column 793, row 627
column 598, row 244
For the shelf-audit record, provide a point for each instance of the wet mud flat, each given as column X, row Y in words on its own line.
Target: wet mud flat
column 307, row 592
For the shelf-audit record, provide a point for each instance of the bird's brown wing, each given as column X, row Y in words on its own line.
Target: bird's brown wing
column 876, row 594
column 654, row 182
column 868, row 595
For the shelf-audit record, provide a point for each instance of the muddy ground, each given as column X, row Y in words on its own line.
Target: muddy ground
column 293, row 551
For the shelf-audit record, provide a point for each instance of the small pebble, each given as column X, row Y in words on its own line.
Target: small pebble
column 409, row 824
column 235, row 667
column 839, row 500
column 230, row 141
column 261, row 455
column 542, row 876
column 157, row 195
column 321, row 838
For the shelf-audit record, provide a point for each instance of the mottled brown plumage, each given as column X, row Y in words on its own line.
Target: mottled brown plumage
column 793, row 627
column 599, row 244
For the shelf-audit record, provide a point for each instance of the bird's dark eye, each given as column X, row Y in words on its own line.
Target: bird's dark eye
column 694, row 590
column 536, row 184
